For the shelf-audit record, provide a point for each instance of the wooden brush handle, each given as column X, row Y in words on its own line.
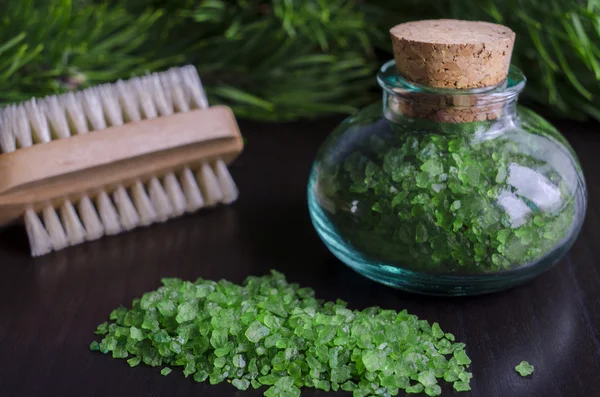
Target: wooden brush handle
column 101, row 160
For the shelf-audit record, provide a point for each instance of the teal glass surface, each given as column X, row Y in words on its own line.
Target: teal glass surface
column 479, row 197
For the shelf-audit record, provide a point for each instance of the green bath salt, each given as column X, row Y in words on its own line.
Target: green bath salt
column 268, row 333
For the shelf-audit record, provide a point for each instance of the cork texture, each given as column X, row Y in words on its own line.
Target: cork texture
column 449, row 53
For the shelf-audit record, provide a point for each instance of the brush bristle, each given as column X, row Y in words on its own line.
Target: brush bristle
column 143, row 204
column 193, row 195
column 73, row 227
column 160, row 201
column 210, row 184
column 92, row 225
column 108, row 213
column 41, row 120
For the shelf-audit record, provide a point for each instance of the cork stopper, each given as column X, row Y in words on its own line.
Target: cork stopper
column 449, row 53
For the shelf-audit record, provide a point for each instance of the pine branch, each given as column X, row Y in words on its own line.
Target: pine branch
column 268, row 60
column 63, row 45
column 283, row 60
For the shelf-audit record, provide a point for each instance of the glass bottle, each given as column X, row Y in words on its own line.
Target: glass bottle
column 447, row 205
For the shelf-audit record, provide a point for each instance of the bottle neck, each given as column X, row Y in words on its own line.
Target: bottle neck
column 406, row 101
column 444, row 108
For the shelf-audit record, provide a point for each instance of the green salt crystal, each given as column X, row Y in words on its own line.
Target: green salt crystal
column 437, row 331
column 461, row 386
column 241, row 384
column 134, row 361
column 418, row 388
column 427, row 378
column 524, row 368
column 434, row 390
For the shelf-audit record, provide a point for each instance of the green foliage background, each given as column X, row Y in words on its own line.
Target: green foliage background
column 283, row 59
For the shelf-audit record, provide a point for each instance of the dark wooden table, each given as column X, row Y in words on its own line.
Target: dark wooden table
column 50, row 306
